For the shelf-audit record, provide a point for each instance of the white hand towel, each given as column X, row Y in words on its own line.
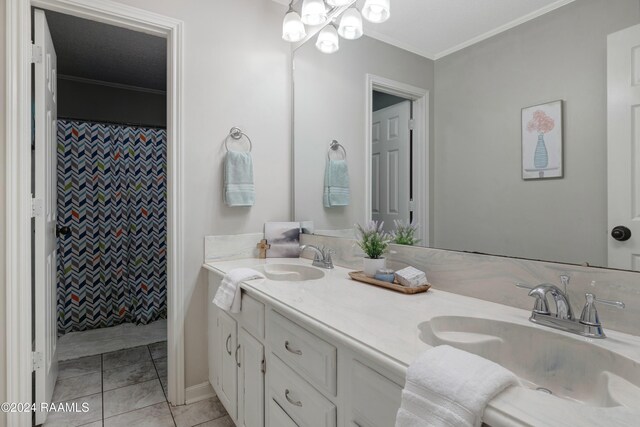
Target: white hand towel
column 228, row 295
column 447, row 387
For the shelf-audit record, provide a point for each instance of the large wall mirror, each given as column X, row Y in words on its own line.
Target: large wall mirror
column 489, row 129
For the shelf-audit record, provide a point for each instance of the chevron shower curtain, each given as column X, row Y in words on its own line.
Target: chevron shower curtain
column 112, row 191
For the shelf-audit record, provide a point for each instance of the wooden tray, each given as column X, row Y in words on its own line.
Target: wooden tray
column 395, row 286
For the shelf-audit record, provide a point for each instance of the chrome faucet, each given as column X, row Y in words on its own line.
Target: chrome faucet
column 322, row 258
column 563, row 319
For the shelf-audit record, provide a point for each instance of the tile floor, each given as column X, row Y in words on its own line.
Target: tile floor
column 125, row 388
column 103, row 340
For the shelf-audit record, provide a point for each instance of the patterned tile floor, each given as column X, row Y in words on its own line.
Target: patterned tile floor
column 127, row 387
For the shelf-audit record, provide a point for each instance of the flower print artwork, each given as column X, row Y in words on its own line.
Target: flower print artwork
column 542, row 141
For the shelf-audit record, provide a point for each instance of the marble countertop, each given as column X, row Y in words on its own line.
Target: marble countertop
column 387, row 323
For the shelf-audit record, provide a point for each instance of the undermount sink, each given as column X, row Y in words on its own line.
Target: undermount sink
column 567, row 367
column 289, row 272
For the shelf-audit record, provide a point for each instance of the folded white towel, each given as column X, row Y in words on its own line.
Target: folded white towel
column 228, row 295
column 447, row 387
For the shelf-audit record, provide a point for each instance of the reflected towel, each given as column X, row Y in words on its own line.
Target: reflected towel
column 447, row 387
column 238, row 179
column 228, row 295
column 336, row 184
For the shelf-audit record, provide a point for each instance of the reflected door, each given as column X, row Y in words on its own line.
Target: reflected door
column 390, row 164
column 623, row 146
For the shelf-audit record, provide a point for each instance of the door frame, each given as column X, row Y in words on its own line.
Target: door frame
column 18, row 189
column 421, row 146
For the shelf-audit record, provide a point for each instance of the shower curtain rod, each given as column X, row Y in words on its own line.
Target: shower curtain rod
column 105, row 122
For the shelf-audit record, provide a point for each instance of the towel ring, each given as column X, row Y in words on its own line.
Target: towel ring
column 335, row 146
column 237, row 134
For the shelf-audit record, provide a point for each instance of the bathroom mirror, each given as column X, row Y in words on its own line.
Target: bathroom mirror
column 441, row 126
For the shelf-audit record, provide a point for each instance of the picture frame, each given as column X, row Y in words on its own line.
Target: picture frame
column 543, row 141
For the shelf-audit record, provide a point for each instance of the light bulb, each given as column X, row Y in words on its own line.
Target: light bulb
column 351, row 24
column 293, row 28
column 335, row 3
column 328, row 40
column 376, row 11
column 314, row 12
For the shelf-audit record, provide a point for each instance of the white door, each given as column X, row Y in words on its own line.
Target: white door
column 45, row 254
column 228, row 366
column 390, row 172
column 623, row 147
column 250, row 381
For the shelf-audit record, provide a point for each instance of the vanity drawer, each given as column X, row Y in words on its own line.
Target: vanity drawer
column 312, row 357
column 277, row 416
column 252, row 316
column 304, row 404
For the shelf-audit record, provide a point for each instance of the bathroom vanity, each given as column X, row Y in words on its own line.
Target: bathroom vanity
column 315, row 350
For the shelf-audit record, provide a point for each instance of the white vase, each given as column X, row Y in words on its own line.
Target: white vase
column 370, row 266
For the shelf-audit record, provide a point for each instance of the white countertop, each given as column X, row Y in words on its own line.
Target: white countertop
column 387, row 323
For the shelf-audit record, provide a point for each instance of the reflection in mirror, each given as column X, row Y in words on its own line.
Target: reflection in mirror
column 441, row 137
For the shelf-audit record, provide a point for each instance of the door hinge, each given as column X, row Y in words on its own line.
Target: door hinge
column 36, row 360
column 412, row 124
column 36, row 207
column 263, row 366
column 412, row 205
column 36, row 53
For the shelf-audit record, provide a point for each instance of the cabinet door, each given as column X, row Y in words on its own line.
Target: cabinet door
column 375, row 399
column 213, row 334
column 228, row 375
column 251, row 381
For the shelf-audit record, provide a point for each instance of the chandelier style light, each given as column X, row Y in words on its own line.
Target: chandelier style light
column 314, row 13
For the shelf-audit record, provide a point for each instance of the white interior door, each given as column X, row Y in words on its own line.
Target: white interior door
column 623, row 146
column 390, row 172
column 45, row 245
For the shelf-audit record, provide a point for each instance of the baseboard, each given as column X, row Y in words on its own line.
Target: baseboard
column 198, row 392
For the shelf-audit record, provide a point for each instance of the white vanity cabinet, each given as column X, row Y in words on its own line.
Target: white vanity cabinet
column 273, row 369
column 236, row 358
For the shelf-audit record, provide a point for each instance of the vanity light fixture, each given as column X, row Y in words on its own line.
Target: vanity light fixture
column 351, row 24
column 328, row 40
column 292, row 27
column 314, row 12
column 376, row 11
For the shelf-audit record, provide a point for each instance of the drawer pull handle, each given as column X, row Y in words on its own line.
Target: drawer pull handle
column 227, row 344
column 237, row 361
column 293, row 402
column 286, row 345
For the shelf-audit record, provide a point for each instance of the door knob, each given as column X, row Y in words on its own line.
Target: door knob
column 62, row 230
column 621, row 233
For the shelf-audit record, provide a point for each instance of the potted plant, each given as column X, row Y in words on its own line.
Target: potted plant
column 405, row 233
column 373, row 242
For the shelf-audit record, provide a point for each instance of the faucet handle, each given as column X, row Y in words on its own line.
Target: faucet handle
column 589, row 314
column 523, row 286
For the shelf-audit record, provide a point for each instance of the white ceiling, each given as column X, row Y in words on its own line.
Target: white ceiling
column 436, row 28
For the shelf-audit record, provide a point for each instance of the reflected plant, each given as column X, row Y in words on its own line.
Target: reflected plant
column 374, row 241
column 404, row 234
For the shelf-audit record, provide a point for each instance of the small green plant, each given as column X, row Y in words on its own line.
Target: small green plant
column 405, row 233
column 373, row 239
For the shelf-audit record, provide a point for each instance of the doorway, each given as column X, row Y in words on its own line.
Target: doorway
column 100, row 237
column 397, row 152
column 20, row 359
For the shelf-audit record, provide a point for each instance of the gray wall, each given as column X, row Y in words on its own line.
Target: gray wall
column 3, row 145
column 81, row 100
column 329, row 103
column 481, row 203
